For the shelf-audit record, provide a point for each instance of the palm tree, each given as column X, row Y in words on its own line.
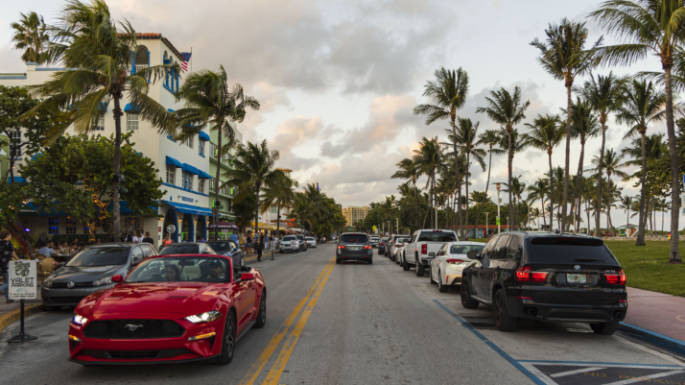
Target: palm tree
column 98, row 55
column 279, row 192
column 467, row 139
column 210, row 101
column 642, row 105
column 627, row 205
column 515, row 188
column 252, row 167
column 545, row 134
column 564, row 56
column 539, row 190
column 506, row 109
column 613, row 166
column 428, row 161
column 650, row 27
column 31, row 35
column 584, row 125
column 490, row 138
column 447, row 93
column 406, row 170
column 604, row 94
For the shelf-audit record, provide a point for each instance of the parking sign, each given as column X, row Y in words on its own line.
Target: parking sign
column 22, row 279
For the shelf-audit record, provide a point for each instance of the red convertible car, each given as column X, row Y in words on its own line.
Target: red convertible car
column 170, row 308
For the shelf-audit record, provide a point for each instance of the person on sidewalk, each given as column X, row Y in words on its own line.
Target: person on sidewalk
column 47, row 249
column 6, row 255
column 260, row 246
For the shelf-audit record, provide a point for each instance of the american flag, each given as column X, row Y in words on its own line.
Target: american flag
column 186, row 57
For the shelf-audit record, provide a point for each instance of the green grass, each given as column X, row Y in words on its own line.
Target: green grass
column 647, row 266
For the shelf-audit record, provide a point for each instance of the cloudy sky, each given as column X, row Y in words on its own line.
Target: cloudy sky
column 338, row 79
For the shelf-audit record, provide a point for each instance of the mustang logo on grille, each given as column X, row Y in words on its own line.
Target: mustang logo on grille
column 133, row 327
column 71, row 284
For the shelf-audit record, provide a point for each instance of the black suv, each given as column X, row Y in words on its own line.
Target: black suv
column 548, row 276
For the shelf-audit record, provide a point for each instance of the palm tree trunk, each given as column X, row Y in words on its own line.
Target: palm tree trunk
column 510, row 160
column 544, row 219
column 215, row 210
column 675, row 169
column 603, row 122
column 487, row 181
column 278, row 220
column 116, row 212
column 579, row 182
column 564, row 199
column 551, row 190
column 643, row 192
column 466, row 178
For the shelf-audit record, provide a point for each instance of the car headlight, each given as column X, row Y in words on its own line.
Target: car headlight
column 47, row 283
column 207, row 316
column 103, row 281
column 79, row 320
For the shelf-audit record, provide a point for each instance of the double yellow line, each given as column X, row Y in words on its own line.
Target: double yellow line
column 293, row 334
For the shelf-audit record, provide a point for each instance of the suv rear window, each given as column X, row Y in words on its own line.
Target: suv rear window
column 354, row 238
column 437, row 236
column 567, row 250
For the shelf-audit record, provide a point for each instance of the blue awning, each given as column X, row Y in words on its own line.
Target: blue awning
column 173, row 162
column 204, row 136
column 189, row 209
column 195, row 170
column 130, row 107
column 204, row 175
column 17, row 179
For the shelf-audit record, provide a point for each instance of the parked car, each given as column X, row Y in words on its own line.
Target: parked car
column 311, row 241
column 169, row 308
column 451, row 260
column 229, row 249
column 423, row 246
column 396, row 241
column 382, row 245
column 302, row 242
column 188, row 248
column 91, row 270
column 374, row 240
column 354, row 247
column 289, row 243
column 548, row 276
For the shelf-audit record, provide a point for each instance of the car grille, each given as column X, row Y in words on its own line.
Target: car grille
column 63, row 285
column 133, row 329
column 134, row 354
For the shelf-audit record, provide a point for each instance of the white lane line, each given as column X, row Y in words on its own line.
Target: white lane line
column 576, row 371
column 645, row 378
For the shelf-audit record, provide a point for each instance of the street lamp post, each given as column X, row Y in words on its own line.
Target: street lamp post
column 486, row 223
column 499, row 200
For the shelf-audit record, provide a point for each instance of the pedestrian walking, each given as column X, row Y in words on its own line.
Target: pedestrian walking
column 260, row 246
column 148, row 238
column 6, row 255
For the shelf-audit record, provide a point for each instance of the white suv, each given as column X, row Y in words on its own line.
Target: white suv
column 423, row 246
column 289, row 243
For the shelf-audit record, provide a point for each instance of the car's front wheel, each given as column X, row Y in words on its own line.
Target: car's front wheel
column 604, row 328
column 261, row 316
column 228, row 341
column 503, row 320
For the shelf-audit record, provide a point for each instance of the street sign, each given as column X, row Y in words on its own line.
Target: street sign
column 497, row 222
column 23, row 280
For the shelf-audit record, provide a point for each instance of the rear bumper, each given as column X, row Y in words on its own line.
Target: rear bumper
column 521, row 305
column 355, row 257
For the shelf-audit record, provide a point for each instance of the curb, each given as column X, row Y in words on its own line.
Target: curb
column 13, row 315
column 665, row 342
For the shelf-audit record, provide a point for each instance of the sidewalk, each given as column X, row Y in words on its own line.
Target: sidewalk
column 10, row 312
column 657, row 318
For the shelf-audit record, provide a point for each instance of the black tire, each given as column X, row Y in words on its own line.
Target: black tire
column 261, row 315
column 228, row 341
column 337, row 261
column 430, row 272
column 441, row 288
column 466, row 300
column 604, row 328
column 420, row 270
column 371, row 261
column 405, row 265
column 503, row 320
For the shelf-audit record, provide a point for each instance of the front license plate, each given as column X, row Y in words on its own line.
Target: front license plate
column 576, row 278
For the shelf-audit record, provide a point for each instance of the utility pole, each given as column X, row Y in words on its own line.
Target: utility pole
column 499, row 200
column 486, row 223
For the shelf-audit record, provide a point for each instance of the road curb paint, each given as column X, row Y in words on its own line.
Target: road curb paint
column 492, row 345
column 665, row 342
column 256, row 368
column 13, row 315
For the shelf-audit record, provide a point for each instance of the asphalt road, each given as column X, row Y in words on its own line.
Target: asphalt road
column 363, row 324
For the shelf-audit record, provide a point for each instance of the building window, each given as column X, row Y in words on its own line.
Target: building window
column 201, row 147
column 187, row 180
column 201, row 185
column 53, row 225
column 15, row 143
column 189, row 142
column 71, row 225
column 131, row 121
column 211, row 186
column 212, row 150
column 171, row 174
column 99, row 124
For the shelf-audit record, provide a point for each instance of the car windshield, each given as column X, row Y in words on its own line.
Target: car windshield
column 100, row 256
column 221, row 246
column 181, row 269
column 437, row 236
column 289, row 238
column 310, row 238
column 466, row 249
column 567, row 250
column 354, row 238
column 180, row 248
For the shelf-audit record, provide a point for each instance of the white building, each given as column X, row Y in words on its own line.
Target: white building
column 183, row 166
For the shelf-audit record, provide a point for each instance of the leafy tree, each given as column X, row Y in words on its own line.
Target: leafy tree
column 490, row 138
column 317, row 212
column 98, row 54
column 428, row 162
column 31, row 35
column 583, row 126
column 279, row 192
column 539, row 190
column 506, row 109
column 406, row 170
column 564, row 56
column 613, row 166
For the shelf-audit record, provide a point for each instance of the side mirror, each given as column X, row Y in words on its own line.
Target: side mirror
column 247, row 276
column 117, row 278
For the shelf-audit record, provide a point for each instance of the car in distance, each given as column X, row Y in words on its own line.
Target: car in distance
column 170, row 308
column 302, row 241
column 354, row 247
column 289, row 243
column 228, row 248
column 374, row 240
column 91, row 270
column 311, row 241
column 451, row 260
column 383, row 245
column 423, row 246
column 396, row 243
column 548, row 276
column 187, row 248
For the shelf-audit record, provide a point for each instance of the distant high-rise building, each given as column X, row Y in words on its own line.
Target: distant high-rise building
column 355, row 214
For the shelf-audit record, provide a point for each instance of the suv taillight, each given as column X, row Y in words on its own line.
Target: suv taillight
column 618, row 278
column 367, row 247
column 424, row 249
column 524, row 274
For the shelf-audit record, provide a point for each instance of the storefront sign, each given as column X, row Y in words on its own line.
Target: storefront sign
column 23, row 280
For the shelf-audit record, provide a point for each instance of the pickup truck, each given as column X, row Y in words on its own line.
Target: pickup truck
column 423, row 246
